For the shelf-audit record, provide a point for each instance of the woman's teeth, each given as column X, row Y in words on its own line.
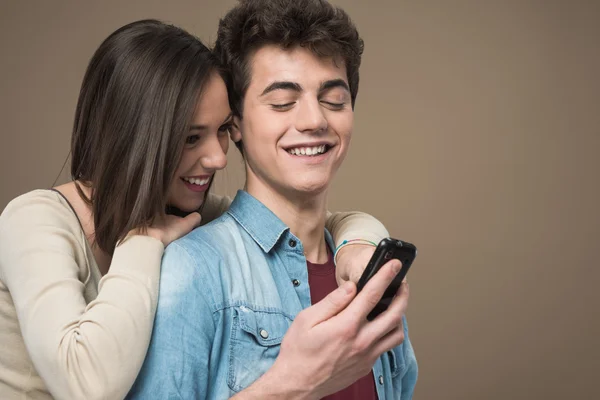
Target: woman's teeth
column 308, row 151
column 197, row 181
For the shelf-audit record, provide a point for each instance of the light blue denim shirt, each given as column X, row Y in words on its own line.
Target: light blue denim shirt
column 226, row 301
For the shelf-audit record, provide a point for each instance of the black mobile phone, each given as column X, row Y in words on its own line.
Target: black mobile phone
column 388, row 249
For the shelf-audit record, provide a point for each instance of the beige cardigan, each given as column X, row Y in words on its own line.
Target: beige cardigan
column 69, row 333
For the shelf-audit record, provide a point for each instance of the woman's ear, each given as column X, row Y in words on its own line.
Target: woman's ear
column 236, row 134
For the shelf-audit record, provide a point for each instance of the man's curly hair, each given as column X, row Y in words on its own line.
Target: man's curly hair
column 317, row 25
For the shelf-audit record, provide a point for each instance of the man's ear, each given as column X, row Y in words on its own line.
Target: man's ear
column 236, row 133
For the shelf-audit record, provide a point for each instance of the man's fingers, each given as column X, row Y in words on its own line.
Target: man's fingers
column 330, row 306
column 373, row 291
column 392, row 339
column 391, row 318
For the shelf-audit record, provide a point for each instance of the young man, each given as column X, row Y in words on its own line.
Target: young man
column 231, row 289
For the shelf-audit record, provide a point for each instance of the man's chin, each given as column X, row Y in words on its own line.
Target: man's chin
column 310, row 188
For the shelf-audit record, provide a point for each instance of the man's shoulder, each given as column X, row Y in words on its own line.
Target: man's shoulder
column 206, row 243
column 192, row 264
column 214, row 235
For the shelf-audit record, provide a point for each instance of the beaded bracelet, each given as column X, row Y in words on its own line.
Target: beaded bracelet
column 349, row 242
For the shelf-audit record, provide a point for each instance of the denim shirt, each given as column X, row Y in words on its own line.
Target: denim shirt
column 226, row 301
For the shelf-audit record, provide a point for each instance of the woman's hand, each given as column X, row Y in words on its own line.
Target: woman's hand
column 351, row 261
column 170, row 227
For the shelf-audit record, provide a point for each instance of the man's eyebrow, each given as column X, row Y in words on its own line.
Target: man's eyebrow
column 205, row 127
column 284, row 85
column 333, row 84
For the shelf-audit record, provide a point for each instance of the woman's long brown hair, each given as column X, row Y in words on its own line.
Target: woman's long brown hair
column 136, row 102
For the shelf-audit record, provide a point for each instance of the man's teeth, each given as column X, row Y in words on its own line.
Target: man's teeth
column 197, row 181
column 308, row 151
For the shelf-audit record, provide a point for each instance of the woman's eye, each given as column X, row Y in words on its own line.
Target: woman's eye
column 226, row 128
column 192, row 139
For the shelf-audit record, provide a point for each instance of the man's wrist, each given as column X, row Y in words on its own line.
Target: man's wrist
column 275, row 385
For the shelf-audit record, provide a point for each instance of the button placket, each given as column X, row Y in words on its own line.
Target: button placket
column 296, row 271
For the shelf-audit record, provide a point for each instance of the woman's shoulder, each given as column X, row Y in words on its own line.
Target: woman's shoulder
column 36, row 222
column 39, row 207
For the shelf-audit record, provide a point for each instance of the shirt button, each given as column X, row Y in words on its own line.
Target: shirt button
column 381, row 379
column 292, row 243
column 264, row 334
column 296, row 282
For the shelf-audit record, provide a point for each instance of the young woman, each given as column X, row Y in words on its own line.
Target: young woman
column 79, row 264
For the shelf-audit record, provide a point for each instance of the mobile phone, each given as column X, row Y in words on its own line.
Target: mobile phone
column 388, row 249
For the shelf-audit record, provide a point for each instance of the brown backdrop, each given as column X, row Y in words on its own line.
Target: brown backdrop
column 477, row 138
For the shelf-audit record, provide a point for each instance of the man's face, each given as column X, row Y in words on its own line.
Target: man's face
column 297, row 120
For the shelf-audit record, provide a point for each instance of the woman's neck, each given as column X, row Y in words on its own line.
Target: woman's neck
column 84, row 213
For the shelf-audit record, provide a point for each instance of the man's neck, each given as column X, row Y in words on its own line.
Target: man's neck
column 304, row 214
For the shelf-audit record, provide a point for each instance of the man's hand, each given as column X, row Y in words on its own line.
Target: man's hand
column 331, row 344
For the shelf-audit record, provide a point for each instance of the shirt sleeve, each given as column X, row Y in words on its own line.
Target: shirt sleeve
column 409, row 378
column 355, row 225
column 177, row 365
column 81, row 351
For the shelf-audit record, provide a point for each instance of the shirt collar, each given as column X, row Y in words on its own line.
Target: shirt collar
column 256, row 219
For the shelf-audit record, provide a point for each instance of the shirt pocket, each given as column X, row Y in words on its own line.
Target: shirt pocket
column 396, row 359
column 255, row 341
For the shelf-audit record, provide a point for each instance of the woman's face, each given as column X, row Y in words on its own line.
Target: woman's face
column 205, row 149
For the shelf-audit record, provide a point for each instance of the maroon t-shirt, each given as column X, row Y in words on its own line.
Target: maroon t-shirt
column 321, row 279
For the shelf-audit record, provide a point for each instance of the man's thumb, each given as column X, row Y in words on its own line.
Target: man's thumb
column 333, row 304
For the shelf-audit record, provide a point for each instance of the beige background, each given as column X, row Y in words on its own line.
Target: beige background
column 477, row 138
